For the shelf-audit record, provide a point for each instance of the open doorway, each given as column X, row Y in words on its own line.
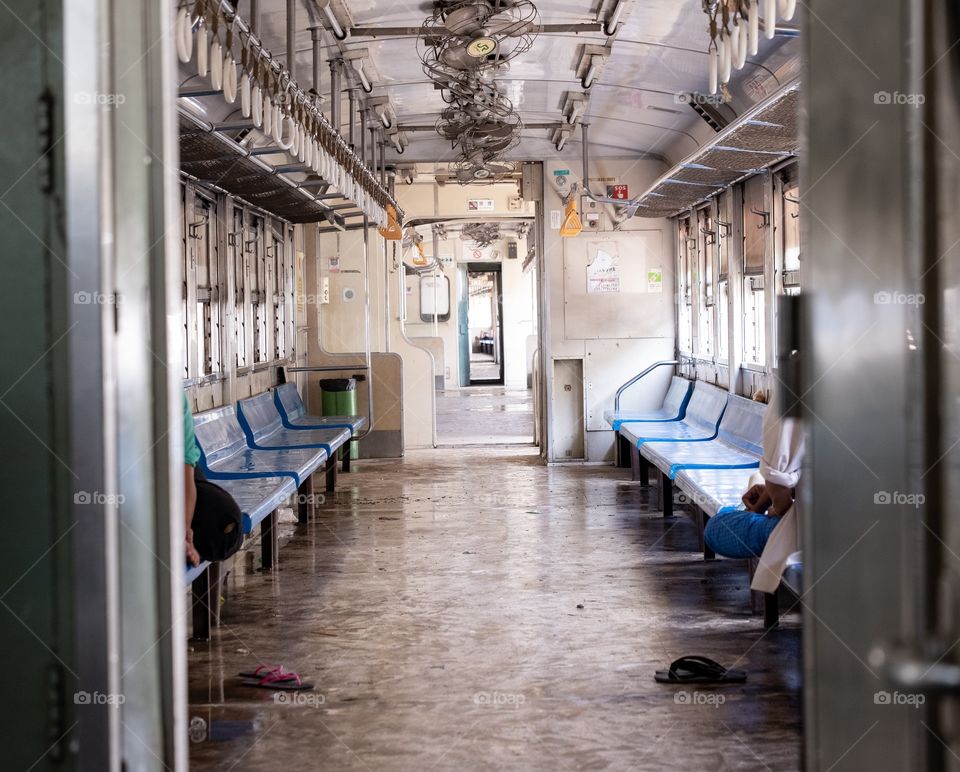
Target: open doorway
column 482, row 345
column 474, row 307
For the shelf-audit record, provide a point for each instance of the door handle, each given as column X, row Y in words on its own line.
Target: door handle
column 917, row 672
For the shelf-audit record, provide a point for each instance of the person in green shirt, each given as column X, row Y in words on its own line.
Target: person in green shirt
column 212, row 520
column 191, row 455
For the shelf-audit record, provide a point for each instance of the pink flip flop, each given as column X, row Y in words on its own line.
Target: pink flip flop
column 277, row 680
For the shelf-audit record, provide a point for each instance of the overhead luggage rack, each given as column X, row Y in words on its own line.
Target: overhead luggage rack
column 206, row 157
column 300, row 188
column 764, row 136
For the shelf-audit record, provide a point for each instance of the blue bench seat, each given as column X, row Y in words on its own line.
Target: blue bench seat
column 293, row 413
column 700, row 422
column 263, row 429
column 674, row 407
column 671, row 457
column 738, row 445
column 225, row 455
column 258, row 497
column 194, row 572
column 714, row 490
column 668, row 431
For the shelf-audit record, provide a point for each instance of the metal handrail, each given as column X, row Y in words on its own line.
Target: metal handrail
column 637, row 377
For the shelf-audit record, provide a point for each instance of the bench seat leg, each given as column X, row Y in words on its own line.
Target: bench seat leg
column 622, row 451
column 771, row 611
column 332, row 473
column 268, row 541
column 766, row 602
column 666, row 485
column 702, row 519
column 644, row 470
column 345, row 451
column 634, row 462
column 214, row 584
column 305, row 500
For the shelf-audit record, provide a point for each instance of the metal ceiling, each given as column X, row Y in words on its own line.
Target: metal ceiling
column 657, row 52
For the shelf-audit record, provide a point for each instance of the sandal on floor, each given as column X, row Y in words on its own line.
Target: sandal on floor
column 262, row 670
column 699, row 670
column 286, row 682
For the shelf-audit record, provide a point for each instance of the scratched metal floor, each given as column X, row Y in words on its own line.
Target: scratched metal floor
column 436, row 604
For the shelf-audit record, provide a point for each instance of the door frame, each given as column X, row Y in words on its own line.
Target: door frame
column 497, row 270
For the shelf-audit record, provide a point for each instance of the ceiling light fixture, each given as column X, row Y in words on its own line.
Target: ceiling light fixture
column 591, row 62
column 338, row 31
column 398, row 140
column 356, row 58
column 575, row 106
column 381, row 106
column 610, row 29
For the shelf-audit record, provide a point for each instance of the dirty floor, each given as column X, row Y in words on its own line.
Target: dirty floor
column 471, row 609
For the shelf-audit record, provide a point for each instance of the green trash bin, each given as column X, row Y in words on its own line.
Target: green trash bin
column 338, row 396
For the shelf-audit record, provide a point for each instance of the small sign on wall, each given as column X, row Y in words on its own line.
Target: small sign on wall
column 603, row 273
column 619, row 192
column 474, row 250
column 655, row 281
column 480, row 204
column 556, row 219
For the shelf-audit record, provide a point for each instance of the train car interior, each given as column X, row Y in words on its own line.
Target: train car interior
column 480, row 385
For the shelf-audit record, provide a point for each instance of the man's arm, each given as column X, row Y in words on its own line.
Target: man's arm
column 189, row 505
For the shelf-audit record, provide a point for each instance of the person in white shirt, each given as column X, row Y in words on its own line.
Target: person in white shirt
column 769, row 526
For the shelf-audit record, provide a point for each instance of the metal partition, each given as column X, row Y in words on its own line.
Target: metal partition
column 864, row 381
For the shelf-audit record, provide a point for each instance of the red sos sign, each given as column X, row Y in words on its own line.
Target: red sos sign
column 618, row 192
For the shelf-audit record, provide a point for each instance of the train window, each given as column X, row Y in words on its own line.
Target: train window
column 722, row 228
column 706, row 268
column 789, row 268
column 435, row 298
column 684, row 293
column 241, row 322
column 202, row 232
column 756, row 221
column 253, row 246
column 187, row 275
column 283, row 287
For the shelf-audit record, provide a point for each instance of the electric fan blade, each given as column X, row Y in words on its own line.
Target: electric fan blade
column 493, row 130
column 507, row 27
column 467, row 19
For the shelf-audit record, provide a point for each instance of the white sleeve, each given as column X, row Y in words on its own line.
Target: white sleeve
column 782, row 448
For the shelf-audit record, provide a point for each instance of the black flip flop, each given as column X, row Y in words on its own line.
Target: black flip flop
column 699, row 670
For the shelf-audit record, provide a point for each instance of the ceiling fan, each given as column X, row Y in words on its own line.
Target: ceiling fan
column 471, row 35
column 479, row 170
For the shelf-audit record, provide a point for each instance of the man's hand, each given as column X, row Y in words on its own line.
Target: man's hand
column 189, row 504
column 756, row 499
column 193, row 557
column 781, row 499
